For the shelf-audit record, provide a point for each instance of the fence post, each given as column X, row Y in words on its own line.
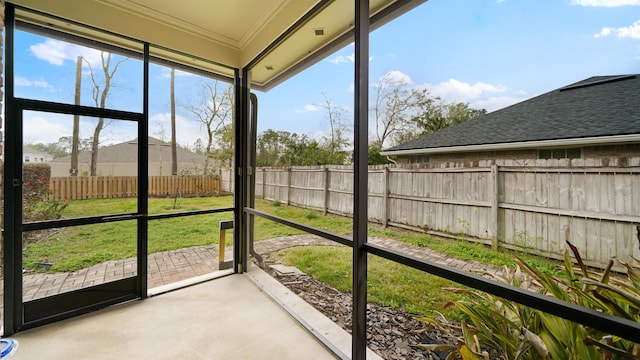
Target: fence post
column 385, row 197
column 493, row 219
column 264, row 184
column 327, row 175
column 288, row 185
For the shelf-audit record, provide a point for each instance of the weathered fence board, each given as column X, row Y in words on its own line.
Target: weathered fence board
column 106, row 187
column 534, row 209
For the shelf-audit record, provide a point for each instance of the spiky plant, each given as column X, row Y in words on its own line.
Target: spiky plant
column 511, row 331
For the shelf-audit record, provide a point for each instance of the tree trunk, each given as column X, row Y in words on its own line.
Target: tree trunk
column 73, row 171
column 94, row 147
column 174, row 148
column 208, row 152
column 101, row 104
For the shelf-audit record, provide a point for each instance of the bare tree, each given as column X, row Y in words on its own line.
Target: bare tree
column 99, row 94
column 338, row 128
column 213, row 111
column 174, row 147
column 392, row 107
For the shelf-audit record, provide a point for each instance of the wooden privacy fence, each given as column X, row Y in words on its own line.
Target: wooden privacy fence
column 531, row 209
column 105, row 187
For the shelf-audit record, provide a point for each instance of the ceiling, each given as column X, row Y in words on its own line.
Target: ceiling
column 275, row 38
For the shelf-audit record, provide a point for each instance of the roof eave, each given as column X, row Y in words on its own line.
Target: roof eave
column 598, row 140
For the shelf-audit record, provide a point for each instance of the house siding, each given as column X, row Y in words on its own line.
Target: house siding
column 603, row 156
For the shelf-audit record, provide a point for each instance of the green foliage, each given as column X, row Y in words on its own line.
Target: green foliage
column 48, row 210
column 224, row 149
column 276, row 203
column 311, row 214
column 375, row 158
column 35, row 183
column 282, row 148
column 435, row 114
column 518, row 332
column 62, row 147
column 36, row 205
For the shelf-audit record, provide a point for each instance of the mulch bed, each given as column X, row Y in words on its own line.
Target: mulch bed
column 390, row 332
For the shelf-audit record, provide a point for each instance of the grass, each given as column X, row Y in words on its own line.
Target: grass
column 77, row 247
column 389, row 283
column 465, row 250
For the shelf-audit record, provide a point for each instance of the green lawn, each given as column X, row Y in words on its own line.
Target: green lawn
column 78, row 247
column 81, row 246
column 389, row 283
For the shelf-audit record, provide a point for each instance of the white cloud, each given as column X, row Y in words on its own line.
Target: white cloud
column 343, row 59
column 320, row 135
column 187, row 131
column 346, row 59
column 632, row 31
column 308, row 108
column 20, row 81
column 604, row 3
column 394, row 77
column 495, row 102
column 39, row 129
column 458, row 91
column 56, row 52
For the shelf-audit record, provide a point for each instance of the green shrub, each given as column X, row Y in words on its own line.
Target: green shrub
column 35, row 189
column 508, row 330
column 276, row 203
column 48, row 210
column 311, row 214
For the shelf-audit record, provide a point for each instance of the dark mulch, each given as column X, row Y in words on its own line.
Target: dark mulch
column 390, row 332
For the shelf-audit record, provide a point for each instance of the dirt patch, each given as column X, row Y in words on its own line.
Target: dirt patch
column 32, row 237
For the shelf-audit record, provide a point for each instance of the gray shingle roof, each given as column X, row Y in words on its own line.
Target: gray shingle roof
column 597, row 106
column 127, row 152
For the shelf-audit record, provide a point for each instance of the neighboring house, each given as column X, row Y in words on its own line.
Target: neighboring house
column 594, row 122
column 32, row 156
column 122, row 160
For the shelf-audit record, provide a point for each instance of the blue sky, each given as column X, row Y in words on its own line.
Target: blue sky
column 487, row 53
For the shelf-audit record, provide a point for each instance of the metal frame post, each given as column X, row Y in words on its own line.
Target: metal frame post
column 12, row 254
column 360, row 180
column 143, row 181
column 241, row 169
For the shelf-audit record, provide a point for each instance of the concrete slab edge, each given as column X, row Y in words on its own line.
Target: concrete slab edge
column 332, row 336
column 188, row 282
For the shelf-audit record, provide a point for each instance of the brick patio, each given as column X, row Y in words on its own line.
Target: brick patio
column 171, row 266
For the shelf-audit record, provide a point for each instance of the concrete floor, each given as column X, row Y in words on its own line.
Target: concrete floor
column 226, row 318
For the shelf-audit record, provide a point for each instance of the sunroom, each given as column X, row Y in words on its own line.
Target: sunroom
column 236, row 47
